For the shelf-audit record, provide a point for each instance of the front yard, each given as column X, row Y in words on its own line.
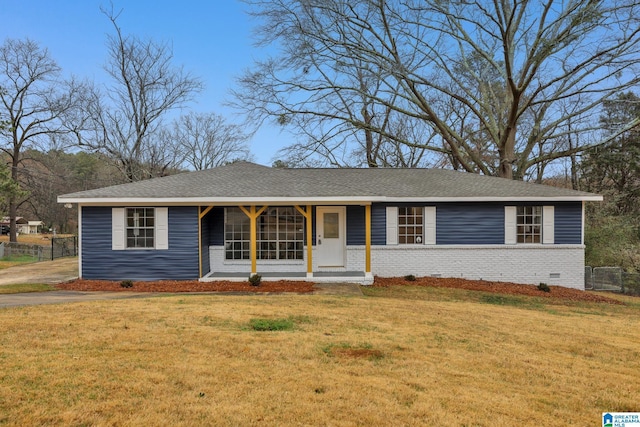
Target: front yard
column 397, row 356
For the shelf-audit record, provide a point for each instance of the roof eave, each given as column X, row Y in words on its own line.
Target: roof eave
column 199, row 201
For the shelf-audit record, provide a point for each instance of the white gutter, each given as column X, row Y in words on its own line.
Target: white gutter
column 230, row 201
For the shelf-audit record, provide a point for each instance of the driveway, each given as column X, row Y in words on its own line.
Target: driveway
column 66, row 269
column 52, row 272
column 49, row 272
column 59, row 297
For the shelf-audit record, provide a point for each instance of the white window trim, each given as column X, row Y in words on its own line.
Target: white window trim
column 429, row 226
column 392, row 225
column 548, row 225
column 118, row 228
column 161, row 234
column 118, row 222
column 510, row 226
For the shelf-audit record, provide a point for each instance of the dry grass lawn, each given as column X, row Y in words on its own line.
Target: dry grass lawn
column 398, row 356
column 34, row 239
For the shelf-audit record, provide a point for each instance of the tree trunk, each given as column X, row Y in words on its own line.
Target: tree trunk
column 507, row 155
column 13, row 200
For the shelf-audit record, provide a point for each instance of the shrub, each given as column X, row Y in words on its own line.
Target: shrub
column 255, row 279
column 126, row 284
column 544, row 287
column 410, row 278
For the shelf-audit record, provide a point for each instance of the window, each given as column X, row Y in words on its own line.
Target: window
column 236, row 234
column 280, row 234
column 410, row 225
column 140, row 228
column 529, row 224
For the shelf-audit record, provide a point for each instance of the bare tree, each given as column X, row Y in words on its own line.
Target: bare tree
column 36, row 104
column 146, row 86
column 48, row 174
column 204, row 141
column 483, row 82
column 614, row 169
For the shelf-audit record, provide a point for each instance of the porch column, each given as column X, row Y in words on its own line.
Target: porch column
column 201, row 214
column 307, row 217
column 367, row 241
column 253, row 215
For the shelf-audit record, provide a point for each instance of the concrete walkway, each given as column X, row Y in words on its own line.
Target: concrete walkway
column 60, row 297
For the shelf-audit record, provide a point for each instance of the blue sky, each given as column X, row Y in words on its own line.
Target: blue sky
column 210, row 38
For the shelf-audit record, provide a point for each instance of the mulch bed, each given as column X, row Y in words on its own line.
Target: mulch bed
column 307, row 287
column 187, row 286
column 499, row 287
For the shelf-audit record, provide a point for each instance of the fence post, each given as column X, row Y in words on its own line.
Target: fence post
column 52, row 239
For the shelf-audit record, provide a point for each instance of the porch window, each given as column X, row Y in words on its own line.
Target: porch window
column 236, row 234
column 280, row 234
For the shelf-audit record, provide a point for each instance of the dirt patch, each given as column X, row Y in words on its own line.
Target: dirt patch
column 497, row 287
column 307, row 287
column 50, row 272
column 357, row 353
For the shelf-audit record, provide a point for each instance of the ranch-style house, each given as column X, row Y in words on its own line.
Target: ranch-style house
column 233, row 221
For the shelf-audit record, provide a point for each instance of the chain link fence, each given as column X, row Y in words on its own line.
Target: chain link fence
column 613, row 279
column 63, row 247
column 60, row 247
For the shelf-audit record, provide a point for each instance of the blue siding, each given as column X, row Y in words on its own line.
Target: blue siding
column 313, row 228
column 355, row 225
column 179, row 262
column 215, row 220
column 568, row 223
column 481, row 223
column 378, row 224
column 205, row 231
column 470, row 224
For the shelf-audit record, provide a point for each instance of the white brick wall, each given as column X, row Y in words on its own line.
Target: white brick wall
column 220, row 265
column 551, row 264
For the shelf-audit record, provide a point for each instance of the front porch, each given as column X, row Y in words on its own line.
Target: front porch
column 296, row 242
column 359, row 277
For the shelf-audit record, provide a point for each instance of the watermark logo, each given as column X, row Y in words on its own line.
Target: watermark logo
column 607, row 420
column 621, row 419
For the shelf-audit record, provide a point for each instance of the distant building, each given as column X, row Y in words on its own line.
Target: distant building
column 24, row 226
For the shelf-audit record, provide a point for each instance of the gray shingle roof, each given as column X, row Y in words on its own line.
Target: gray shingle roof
column 246, row 181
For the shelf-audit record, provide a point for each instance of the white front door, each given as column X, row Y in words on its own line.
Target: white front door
column 330, row 236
